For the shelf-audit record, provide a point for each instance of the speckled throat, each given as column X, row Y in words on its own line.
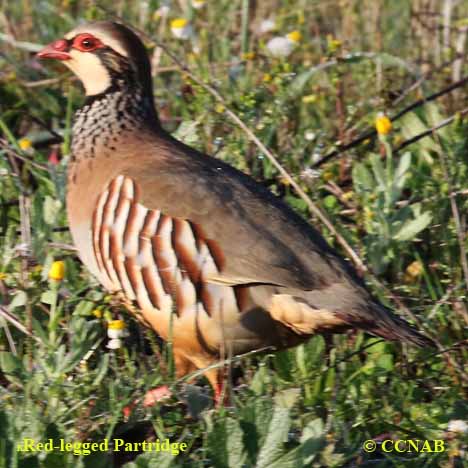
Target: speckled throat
column 104, row 117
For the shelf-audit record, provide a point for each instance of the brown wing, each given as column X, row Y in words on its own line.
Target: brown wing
column 161, row 262
column 261, row 240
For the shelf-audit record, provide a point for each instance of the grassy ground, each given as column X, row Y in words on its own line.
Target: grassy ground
column 401, row 207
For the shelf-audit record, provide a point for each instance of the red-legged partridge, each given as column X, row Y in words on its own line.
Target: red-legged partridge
column 196, row 245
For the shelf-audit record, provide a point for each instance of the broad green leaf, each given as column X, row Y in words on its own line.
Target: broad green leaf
column 362, row 178
column 313, row 430
column 379, row 172
column 312, row 440
column 19, row 300
column 287, row 398
column 385, row 361
column 50, row 210
column 409, row 230
column 49, row 297
column 225, row 443
column 403, row 166
column 277, row 435
column 9, row 363
column 412, row 125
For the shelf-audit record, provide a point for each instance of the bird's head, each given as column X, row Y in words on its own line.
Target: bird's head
column 103, row 55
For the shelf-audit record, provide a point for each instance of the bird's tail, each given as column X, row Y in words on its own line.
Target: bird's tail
column 380, row 321
column 394, row 328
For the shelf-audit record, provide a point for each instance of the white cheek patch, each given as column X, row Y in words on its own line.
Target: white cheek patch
column 89, row 69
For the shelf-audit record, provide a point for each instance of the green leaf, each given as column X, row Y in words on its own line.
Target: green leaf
column 39, row 330
column 313, row 430
column 403, row 166
column 379, row 172
column 409, row 230
column 49, row 297
column 412, row 125
column 19, row 300
column 287, row 398
column 385, row 361
column 9, row 363
column 51, row 209
column 330, row 202
column 362, row 178
column 225, row 443
column 277, row 435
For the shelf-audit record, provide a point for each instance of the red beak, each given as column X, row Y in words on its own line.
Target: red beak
column 56, row 50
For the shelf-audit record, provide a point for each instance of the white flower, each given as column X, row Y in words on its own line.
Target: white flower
column 316, row 157
column 266, row 26
column 162, row 12
column 198, row 4
column 309, row 135
column 115, row 343
column 310, row 174
column 113, row 334
column 282, row 46
column 457, row 425
column 181, row 28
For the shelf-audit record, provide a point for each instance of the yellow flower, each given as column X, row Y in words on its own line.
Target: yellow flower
column 3, row 276
column 327, row 175
column 116, row 330
column 267, row 78
column 368, row 213
column 116, row 325
column 179, row 23
column 248, row 55
column 414, row 269
column 219, row 108
column 25, row 144
column 348, row 195
column 309, row 99
column 333, row 43
column 97, row 313
column 294, row 36
column 383, row 125
column 57, row 270
column 181, row 28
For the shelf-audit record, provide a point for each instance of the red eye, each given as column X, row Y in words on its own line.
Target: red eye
column 86, row 42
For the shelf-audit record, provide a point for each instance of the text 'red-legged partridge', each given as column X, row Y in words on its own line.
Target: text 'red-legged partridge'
column 196, row 245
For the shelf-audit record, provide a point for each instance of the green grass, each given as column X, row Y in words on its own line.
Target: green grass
column 314, row 405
